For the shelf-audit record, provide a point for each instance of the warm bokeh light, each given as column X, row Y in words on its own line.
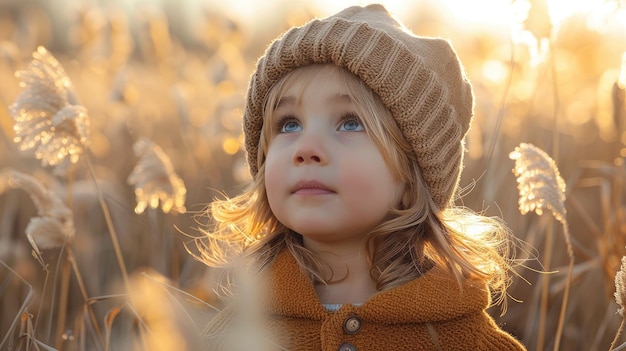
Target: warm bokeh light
column 495, row 71
column 562, row 9
column 231, row 145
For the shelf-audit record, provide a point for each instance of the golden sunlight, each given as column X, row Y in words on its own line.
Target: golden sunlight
column 561, row 9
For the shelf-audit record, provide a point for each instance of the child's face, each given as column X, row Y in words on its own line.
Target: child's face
column 325, row 177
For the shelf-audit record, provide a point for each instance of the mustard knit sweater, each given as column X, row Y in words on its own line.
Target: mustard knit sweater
column 428, row 313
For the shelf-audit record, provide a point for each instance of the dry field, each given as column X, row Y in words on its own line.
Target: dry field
column 103, row 181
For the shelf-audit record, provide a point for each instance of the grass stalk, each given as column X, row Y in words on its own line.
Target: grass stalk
column 109, row 222
column 617, row 335
column 545, row 283
column 83, row 291
column 46, row 280
column 18, row 317
column 53, row 294
column 568, row 282
column 168, row 243
column 602, row 328
column 63, row 296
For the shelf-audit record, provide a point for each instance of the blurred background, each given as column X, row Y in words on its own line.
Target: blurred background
column 547, row 72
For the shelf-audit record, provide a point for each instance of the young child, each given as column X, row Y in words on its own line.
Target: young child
column 354, row 132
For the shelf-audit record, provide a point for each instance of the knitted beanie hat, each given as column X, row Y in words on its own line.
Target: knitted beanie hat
column 420, row 80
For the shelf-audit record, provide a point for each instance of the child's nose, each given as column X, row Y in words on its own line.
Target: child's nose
column 311, row 149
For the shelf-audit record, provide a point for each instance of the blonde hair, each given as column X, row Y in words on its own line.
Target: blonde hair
column 412, row 239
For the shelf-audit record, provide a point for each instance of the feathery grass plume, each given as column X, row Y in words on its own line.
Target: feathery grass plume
column 620, row 298
column 155, row 180
column 55, row 224
column 167, row 325
column 47, row 118
column 539, row 182
column 242, row 325
column 541, row 186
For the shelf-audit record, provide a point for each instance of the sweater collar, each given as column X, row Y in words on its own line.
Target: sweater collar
column 435, row 296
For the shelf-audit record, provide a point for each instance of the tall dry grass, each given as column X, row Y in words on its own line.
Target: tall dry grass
column 152, row 108
column 540, row 187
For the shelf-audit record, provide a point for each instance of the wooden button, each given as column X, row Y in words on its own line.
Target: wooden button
column 346, row 346
column 352, row 324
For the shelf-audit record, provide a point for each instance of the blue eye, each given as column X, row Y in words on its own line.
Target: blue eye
column 351, row 123
column 289, row 124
